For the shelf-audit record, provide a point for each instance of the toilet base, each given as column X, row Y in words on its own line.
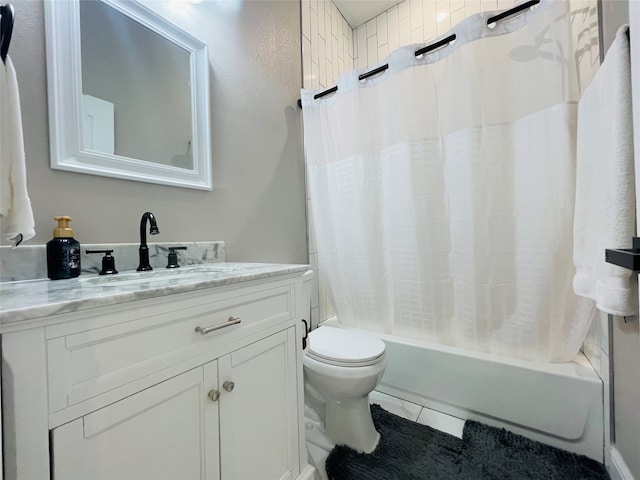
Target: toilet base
column 349, row 422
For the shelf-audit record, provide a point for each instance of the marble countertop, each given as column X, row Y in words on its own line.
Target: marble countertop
column 28, row 299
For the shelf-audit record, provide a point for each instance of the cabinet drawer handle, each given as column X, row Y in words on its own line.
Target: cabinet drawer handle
column 213, row 395
column 228, row 386
column 228, row 323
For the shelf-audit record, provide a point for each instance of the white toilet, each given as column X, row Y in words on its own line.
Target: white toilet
column 341, row 368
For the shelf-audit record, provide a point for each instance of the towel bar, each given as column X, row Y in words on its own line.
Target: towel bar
column 628, row 258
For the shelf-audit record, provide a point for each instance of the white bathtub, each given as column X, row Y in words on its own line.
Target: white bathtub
column 558, row 404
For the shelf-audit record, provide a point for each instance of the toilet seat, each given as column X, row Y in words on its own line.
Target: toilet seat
column 345, row 348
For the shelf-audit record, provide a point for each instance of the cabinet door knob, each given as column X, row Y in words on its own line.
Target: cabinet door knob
column 214, row 395
column 228, row 386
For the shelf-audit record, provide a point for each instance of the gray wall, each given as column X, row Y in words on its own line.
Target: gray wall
column 625, row 363
column 613, row 14
column 626, row 336
column 626, row 404
column 257, row 205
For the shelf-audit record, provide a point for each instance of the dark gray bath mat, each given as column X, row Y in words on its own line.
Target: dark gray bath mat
column 410, row 451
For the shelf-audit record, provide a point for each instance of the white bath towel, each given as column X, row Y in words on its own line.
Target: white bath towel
column 15, row 205
column 605, row 191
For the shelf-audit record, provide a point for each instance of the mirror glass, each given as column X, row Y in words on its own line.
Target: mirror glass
column 145, row 110
column 128, row 94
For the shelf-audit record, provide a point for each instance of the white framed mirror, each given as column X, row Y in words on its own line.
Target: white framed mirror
column 128, row 94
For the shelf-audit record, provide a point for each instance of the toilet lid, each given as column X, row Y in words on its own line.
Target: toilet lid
column 339, row 345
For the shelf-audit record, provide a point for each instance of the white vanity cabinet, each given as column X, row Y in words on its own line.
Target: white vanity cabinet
column 258, row 427
column 143, row 390
column 165, row 431
column 231, row 418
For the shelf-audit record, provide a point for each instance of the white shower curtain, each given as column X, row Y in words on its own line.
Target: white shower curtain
column 443, row 189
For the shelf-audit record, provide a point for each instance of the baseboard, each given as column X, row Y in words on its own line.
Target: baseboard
column 307, row 473
column 616, row 466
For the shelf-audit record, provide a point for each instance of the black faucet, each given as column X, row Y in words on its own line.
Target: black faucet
column 144, row 250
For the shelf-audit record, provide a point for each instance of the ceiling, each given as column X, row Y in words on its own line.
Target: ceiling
column 357, row 12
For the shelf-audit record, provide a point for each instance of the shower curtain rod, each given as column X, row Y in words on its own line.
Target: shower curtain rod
column 433, row 46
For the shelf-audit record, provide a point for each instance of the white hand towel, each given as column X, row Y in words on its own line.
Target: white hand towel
column 605, row 190
column 15, row 205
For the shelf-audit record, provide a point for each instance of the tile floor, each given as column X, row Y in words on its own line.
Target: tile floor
column 411, row 411
column 425, row 416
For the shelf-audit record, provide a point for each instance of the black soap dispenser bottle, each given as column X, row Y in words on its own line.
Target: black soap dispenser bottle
column 63, row 252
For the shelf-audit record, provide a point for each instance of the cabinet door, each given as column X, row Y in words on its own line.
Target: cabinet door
column 155, row 434
column 259, row 415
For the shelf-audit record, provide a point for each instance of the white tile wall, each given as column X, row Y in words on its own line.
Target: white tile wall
column 331, row 47
column 327, row 53
column 415, row 21
column 416, row 413
column 419, row 21
column 327, row 40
